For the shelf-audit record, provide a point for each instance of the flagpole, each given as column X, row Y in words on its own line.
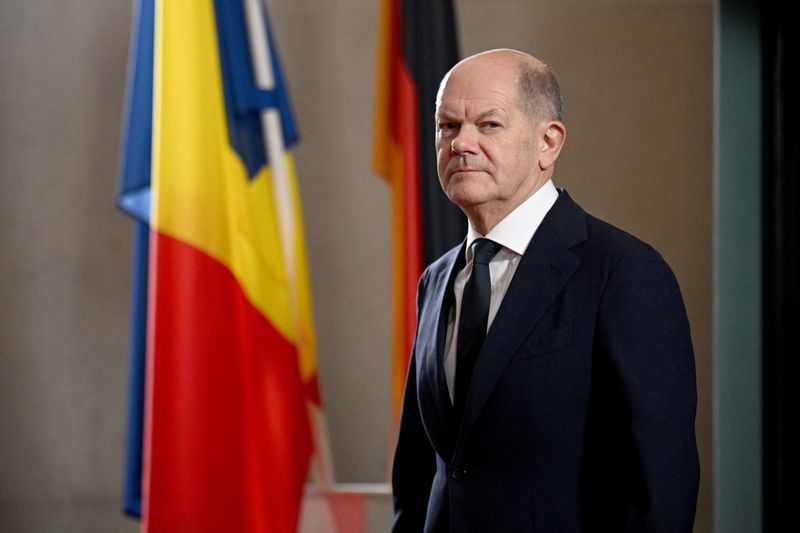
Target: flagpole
column 271, row 125
column 274, row 145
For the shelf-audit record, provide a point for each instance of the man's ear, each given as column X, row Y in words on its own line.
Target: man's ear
column 553, row 133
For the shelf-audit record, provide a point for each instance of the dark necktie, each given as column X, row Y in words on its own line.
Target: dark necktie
column 473, row 321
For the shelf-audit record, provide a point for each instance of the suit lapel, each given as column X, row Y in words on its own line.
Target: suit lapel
column 433, row 394
column 542, row 274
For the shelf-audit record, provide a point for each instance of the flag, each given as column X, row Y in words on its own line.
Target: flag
column 417, row 46
column 223, row 349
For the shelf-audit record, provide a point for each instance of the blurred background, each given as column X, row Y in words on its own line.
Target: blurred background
column 638, row 79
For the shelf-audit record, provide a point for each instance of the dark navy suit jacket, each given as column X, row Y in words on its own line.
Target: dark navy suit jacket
column 580, row 413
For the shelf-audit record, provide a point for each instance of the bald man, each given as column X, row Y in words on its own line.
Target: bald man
column 551, row 386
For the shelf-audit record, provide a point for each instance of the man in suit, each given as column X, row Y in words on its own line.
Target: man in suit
column 575, row 411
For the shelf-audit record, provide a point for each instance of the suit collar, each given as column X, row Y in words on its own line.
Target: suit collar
column 568, row 220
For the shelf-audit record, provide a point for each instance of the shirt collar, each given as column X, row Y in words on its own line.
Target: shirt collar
column 517, row 228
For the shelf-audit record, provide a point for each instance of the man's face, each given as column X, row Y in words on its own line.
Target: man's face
column 486, row 145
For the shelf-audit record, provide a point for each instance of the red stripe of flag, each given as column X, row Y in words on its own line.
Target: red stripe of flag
column 207, row 460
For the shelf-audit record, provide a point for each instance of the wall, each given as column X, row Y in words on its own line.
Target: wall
column 637, row 81
column 739, row 385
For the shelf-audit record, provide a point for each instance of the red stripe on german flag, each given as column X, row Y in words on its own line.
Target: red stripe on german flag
column 417, row 46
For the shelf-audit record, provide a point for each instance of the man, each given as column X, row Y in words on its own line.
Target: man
column 576, row 411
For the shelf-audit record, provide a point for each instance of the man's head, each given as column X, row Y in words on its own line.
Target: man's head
column 498, row 133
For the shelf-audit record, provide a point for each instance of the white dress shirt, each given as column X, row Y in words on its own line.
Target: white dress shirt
column 513, row 233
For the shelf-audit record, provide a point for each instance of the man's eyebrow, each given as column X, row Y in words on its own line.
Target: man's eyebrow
column 491, row 113
column 495, row 111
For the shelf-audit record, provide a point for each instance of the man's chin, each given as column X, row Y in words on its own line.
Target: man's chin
column 465, row 198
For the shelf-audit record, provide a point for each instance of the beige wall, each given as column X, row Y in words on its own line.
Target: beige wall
column 637, row 81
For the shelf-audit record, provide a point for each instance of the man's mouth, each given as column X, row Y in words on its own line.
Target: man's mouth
column 465, row 169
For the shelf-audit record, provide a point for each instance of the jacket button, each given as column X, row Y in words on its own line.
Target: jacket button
column 458, row 474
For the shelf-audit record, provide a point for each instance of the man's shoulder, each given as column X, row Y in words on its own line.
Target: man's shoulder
column 608, row 244
column 613, row 238
column 439, row 269
column 446, row 260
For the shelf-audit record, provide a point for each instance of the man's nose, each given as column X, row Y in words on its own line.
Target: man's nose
column 464, row 142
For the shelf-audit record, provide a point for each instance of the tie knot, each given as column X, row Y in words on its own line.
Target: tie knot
column 485, row 249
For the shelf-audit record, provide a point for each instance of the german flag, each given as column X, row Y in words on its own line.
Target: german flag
column 230, row 381
column 417, row 46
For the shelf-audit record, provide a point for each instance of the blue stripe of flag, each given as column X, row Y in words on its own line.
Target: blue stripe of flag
column 133, row 196
column 243, row 98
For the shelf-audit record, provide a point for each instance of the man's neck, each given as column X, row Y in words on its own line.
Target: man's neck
column 486, row 216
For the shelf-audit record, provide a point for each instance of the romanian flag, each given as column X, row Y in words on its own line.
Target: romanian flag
column 417, row 46
column 224, row 345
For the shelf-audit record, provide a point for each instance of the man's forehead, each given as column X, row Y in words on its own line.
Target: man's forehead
column 469, row 83
column 477, row 96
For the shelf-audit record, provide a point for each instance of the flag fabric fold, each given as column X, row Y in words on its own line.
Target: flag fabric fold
column 230, row 378
column 417, row 46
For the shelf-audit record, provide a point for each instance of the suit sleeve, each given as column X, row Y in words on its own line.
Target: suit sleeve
column 414, row 459
column 644, row 339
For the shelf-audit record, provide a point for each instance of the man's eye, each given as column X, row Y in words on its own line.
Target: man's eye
column 491, row 124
